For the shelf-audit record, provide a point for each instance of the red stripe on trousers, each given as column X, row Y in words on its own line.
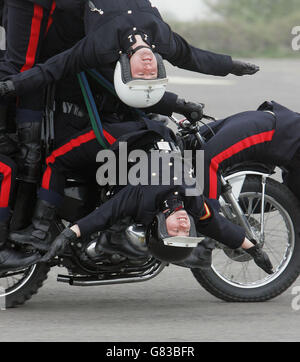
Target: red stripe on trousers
column 50, row 21
column 74, row 143
column 229, row 152
column 38, row 13
column 5, row 170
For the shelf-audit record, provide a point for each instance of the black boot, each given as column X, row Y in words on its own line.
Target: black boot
column 11, row 259
column 201, row 256
column 29, row 157
column 43, row 230
column 7, row 146
column 260, row 258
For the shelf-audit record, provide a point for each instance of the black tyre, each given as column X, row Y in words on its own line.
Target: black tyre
column 234, row 277
column 18, row 287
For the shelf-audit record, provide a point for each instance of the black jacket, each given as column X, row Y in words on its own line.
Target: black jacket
column 44, row 3
column 112, row 32
column 61, row 4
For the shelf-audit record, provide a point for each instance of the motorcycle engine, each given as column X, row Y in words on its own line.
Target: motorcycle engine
column 136, row 235
column 127, row 242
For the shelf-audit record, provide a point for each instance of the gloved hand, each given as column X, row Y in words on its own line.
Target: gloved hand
column 7, row 88
column 261, row 258
column 59, row 244
column 241, row 68
column 192, row 111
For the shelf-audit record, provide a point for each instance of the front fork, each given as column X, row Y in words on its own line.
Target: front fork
column 230, row 199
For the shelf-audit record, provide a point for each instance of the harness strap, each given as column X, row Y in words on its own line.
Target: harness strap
column 102, row 81
column 92, row 109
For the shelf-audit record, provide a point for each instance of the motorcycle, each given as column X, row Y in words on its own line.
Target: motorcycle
column 266, row 208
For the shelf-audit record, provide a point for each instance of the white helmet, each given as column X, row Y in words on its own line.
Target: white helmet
column 139, row 93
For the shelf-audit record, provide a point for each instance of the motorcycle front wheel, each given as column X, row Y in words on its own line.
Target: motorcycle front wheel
column 233, row 276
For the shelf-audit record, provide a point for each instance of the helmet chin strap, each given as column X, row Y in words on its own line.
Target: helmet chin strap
column 131, row 51
column 170, row 206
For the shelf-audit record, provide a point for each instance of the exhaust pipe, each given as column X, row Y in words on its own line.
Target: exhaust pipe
column 89, row 282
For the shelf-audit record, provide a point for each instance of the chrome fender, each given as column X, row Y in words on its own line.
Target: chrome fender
column 237, row 180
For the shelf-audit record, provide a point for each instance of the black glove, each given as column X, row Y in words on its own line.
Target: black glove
column 192, row 111
column 241, row 68
column 260, row 258
column 59, row 244
column 7, row 88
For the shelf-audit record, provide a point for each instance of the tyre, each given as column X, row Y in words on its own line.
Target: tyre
column 233, row 276
column 18, row 287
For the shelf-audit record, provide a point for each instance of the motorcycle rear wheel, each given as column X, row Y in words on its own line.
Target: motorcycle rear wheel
column 18, row 287
column 233, row 276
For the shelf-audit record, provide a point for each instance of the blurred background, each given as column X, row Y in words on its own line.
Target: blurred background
column 249, row 28
column 258, row 31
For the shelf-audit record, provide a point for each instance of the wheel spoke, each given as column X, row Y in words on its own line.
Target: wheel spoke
column 278, row 242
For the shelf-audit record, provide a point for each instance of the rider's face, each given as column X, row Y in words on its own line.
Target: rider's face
column 178, row 224
column 143, row 64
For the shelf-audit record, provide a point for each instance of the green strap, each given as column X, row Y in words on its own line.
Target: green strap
column 99, row 136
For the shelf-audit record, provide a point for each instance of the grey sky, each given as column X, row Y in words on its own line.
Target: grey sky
column 182, row 9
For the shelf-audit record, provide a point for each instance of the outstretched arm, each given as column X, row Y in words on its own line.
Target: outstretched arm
column 186, row 56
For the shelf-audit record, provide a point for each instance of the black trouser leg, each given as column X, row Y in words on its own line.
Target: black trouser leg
column 78, row 154
column 243, row 137
column 26, row 27
column 3, row 234
column 29, row 158
column 7, row 145
column 292, row 177
column 9, row 258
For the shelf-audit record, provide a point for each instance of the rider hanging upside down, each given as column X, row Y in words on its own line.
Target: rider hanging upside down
column 167, row 212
